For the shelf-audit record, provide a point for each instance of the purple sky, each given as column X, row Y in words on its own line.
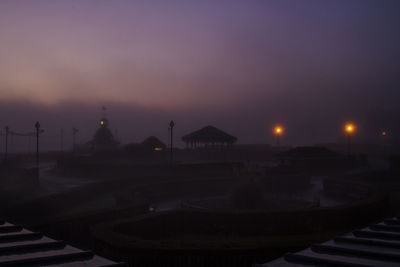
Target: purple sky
column 239, row 65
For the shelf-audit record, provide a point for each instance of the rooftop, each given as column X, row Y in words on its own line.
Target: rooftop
column 209, row 134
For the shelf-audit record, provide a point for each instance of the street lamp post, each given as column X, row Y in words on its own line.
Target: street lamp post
column 6, row 145
column 384, row 139
column 37, row 126
column 349, row 128
column 278, row 132
column 171, row 125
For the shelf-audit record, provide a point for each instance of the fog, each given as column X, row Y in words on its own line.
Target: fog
column 242, row 67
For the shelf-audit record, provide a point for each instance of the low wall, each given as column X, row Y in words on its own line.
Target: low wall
column 77, row 230
column 175, row 238
column 103, row 168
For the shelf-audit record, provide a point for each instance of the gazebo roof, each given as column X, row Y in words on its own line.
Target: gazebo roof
column 209, row 134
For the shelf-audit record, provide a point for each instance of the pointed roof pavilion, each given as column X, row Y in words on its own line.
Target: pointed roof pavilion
column 209, row 135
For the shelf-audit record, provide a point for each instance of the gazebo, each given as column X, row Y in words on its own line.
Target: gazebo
column 208, row 136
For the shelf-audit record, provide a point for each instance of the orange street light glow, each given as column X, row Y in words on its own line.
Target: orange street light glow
column 349, row 128
column 278, row 130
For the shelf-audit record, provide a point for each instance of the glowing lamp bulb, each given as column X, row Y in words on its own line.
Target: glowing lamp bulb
column 384, row 133
column 349, row 128
column 278, row 130
column 101, row 122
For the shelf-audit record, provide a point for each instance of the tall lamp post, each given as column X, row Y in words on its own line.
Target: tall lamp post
column 278, row 131
column 384, row 135
column 6, row 145
column 349, row 128
column 37, row 126
column 171, row 126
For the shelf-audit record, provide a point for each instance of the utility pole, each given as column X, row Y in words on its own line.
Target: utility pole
column 171, row 126
column 37, row 126
column 6, row 145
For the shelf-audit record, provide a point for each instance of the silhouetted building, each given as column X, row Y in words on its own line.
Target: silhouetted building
column 309, row 158
column 154, row 144
column 208, row 136
column 150, row 147
column 306, row 152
